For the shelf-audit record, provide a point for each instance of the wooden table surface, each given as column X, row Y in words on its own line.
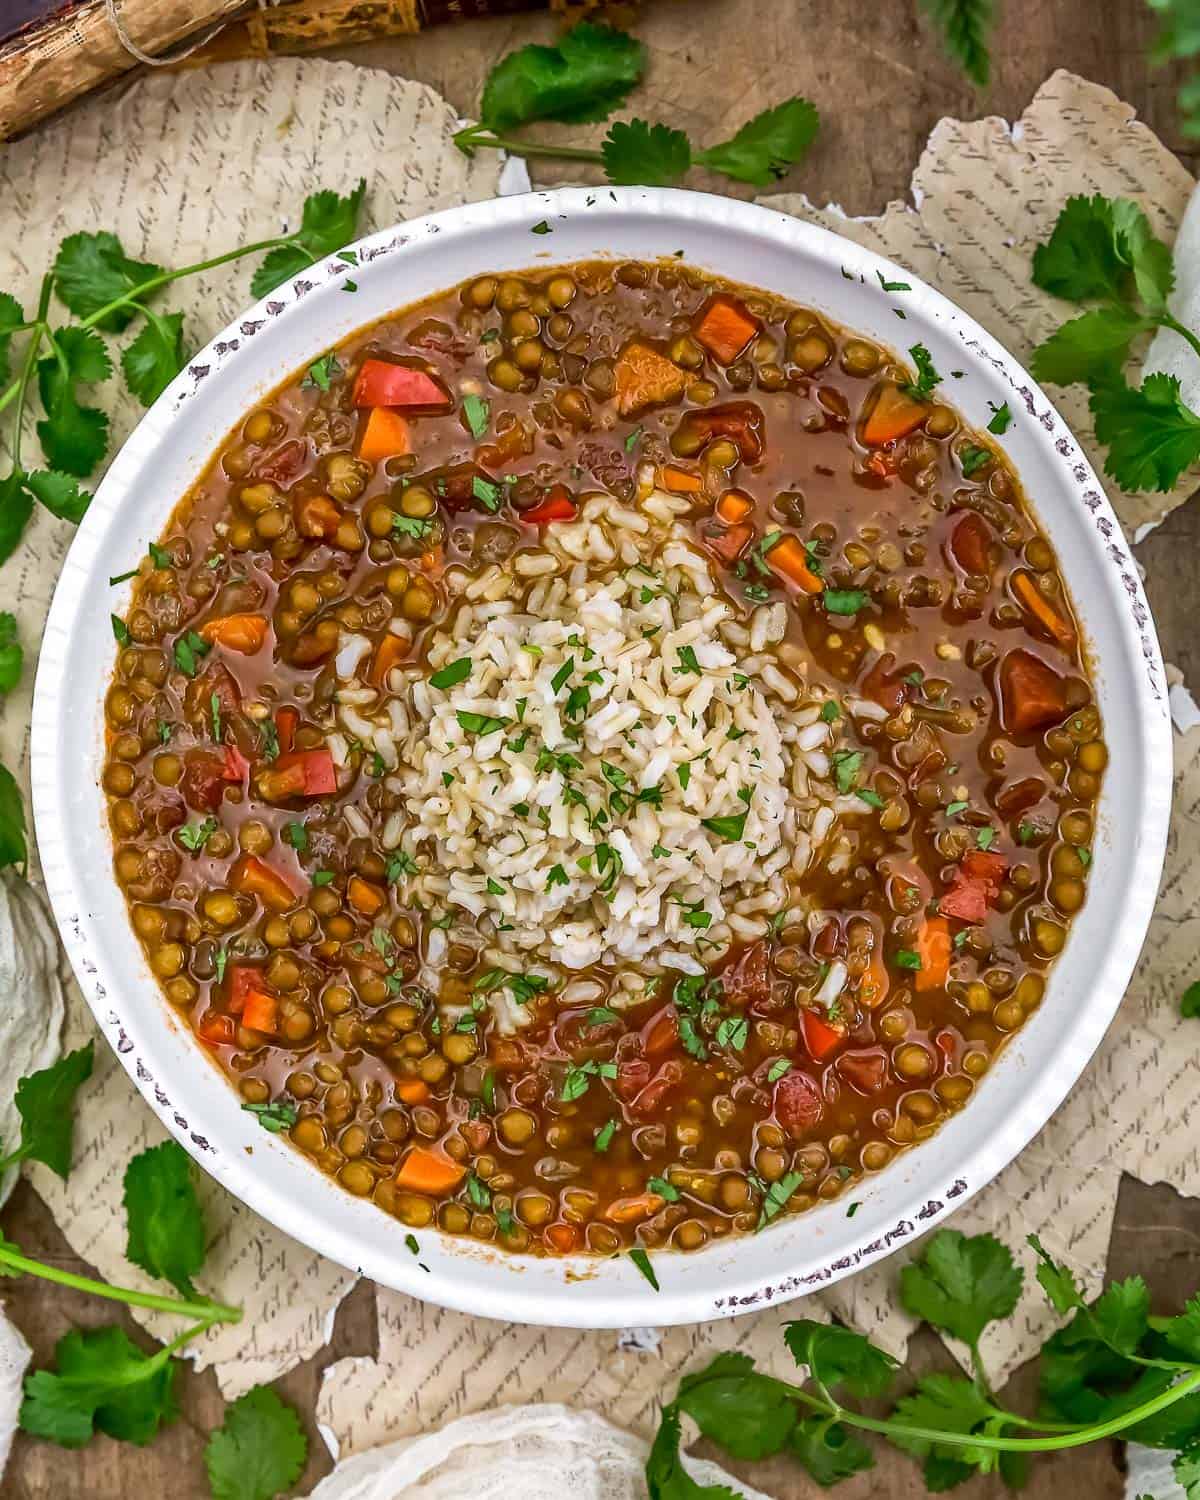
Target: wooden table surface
column 881, row 83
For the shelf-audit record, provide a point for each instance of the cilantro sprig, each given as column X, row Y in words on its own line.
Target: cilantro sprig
column 964, row 26
column 585, row 77
column 1113, row 1370
column 1103, row 251
column 107, row 291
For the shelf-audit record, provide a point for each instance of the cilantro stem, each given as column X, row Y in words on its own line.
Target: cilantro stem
column 1185, row 333
column 13, row 1158
column 207, row 1312
column 467, row 139
column 21, row 384
column 1074, row 1437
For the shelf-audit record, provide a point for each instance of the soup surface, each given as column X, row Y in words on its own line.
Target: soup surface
column 603, row 758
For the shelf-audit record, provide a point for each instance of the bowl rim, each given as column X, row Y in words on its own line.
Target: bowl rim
column 625, row 1298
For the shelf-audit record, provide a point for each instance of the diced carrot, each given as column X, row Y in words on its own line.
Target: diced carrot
column 242, row 633
column 316, row 516
column 391, row 650
column 933, row 949
column 299, row 773
column 364, row 897
column 725, row 327
column 427, row 1171
column 287, row 721
column 633, row 1208
column 874, row 984
column 217, row 1029
column 894, row 415
column 864, row 1070
column 789, row 559
column 384, row 436
column 1032, row 598
column 679, row 481
column 557, row 506
column 970, row 545
column 561, row 1237
column 730, row 543
column 734, row 506
column 412, row 1090
column 819, row 1037
column 434, row 560
column 262, row 1012
column 1032, row 695
column 254, row 877
column 643, row 377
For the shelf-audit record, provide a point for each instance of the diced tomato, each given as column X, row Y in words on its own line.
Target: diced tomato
column 633, row 1074
column 965, row 901
column 383, row 383
column 255, row 877
column 1032, row 695
column 660, row 1034
column 979, row 864
column 237, row 767
column 971, row 545
column 283, row 465
column 218, row 1030
column 244, row 980
column 730, row 543
column 884, row 685
column 299, row 773
column 829, row 942
column 798, row 1102
column 894, row 415
column 557, row 506
column 650, row 1099
column 643, row 377
column 742, row 421
column 747, row 980
column 203, row 782
column 820, row 1038
column 864, row 1070
column 317, row 516
column 725, row 327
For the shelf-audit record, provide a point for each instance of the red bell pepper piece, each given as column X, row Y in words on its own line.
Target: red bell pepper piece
column 557, row 506
column 819, row 1037
column 236, row 764
column 382, row 383
column 287, row 721
column 1032, row 695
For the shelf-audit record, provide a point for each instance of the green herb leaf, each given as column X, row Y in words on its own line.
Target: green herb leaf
column 13, row 848
column 417, row 527
column 829, row 1451
column 731, row 828
column 642, row 1261
column 972, row 458
column 776, row 1196
column 1189, row 1003
column 46, row 1103
column 584, row 78
column 666, row 1477
column 948, row 1403
column 766, row 146
column 275, row 1117
column 11, row 655
column 59, row 493
column 323, row 372
column 603, row 1137
column 688, row 661
column 155, row 357
column 653, row 155
column 960, row 1284
column 477, row 412
column 103, row 1383
column 927, row 376
column 12, row 315
column 1088, row 348
column 327, row 222
column 1151, row 436
column 74, row 437
column 166, row 1227
column 1097, row 248
column 964, row 25
column 474, row 723
column 844, row 601
column 16, row 507
column 1001, row 418
column 487, row 493
column 258, row 1451
column 749, row 1414
column 839, row 1357
column 907, row 959
column 92, row 270
column 189, row 648
column 450, row 676
column 846, row 766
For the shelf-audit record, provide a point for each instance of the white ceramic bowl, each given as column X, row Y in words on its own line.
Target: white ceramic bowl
column 286, row 332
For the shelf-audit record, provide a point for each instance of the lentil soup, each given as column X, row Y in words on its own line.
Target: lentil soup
column 603, row 758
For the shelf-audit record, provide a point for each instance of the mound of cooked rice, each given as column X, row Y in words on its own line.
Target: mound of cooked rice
column 616, row 768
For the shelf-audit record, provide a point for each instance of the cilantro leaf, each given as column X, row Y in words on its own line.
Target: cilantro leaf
column 16, row 507
column 729, row 828
column 10, row 652
column 829, row 1451
column 964, row 25
column 166, row 1227
column 103, row 1383
column 950, row 1403
column 584, row 78
column 1097, row 246
column 45, row 1101
column 74, row 437
column 652, row 155
column 259, row 1449
column 59, row 493
column 1187, row 1471
column 155, row 357
column 666, row 1477
column 322, row 372
column 13, row 848
column 1090, row 347
column 92, row 270
column 327, row 222
column 12, row 315
column 1151, row 436
column 1001, row 418
column 1189, row 1001
column 927, row 376
column 749, row 1414
column 838, row 1356
column 960, row 1284
column 766, row 146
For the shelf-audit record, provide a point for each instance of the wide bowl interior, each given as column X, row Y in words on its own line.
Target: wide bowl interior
column 286, row 332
